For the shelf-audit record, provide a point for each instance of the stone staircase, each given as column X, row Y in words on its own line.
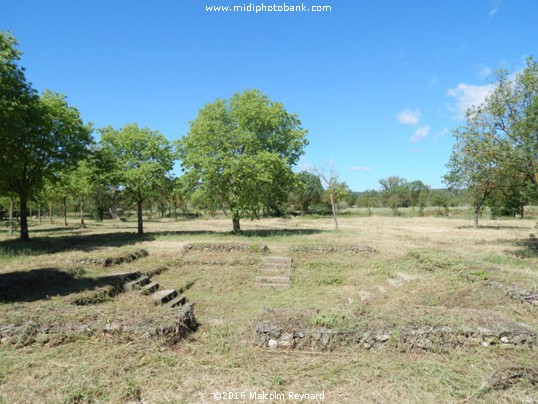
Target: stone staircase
column 275, row 272
column 144, row 285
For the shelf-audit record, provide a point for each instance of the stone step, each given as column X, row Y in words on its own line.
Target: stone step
column 149, row 288
column 273, row 279
column 394, row 282
column 275, row 271
column 177, row 301
column 126, row 276
column 278, row 260
column 275, row 265
column 136, row 284
column 365, row 295
column 273, row 285
column 404, row 277
column 164, row 295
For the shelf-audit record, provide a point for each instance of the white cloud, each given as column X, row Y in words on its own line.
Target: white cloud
column 408, row 117
column 468, row 95
column 360, row 169
column 440, row 135
column 420, row 134
column 414, row 149
column 495, row 8
column 433, row 81
column 485, row 72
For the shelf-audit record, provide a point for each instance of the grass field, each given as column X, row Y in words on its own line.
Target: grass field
column 455, row 276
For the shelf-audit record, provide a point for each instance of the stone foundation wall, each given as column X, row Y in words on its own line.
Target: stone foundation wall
column 274, row 336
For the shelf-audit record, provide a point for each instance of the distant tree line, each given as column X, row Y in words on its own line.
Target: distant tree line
column 310, row 197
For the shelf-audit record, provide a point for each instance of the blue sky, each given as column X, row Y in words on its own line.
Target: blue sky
column 380, row 85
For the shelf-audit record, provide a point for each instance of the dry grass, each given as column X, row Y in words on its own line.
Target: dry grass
column 450, row 263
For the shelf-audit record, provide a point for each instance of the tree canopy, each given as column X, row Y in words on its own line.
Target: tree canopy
column 308, row 191
column 39, row 135
column 496, row 150
column 142, row 160
column 239, row 152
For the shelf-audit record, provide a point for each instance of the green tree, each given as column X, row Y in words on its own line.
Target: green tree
column 339, row 192
column 440, row 200
column 181, row 194
column 422, row 200
column 239, row 153
column 82, row 184
column 143, row 159
column 47, row 194
column 476, row 165
column 527, row 131
column 39, row 134
column 308, row 192
column 496, row 149
column 7, row 210
column 413, row 194
column 507, row 202
column 63, row 189
column 393, row 192
column 163, row 196
column 329, row 179
column 104, row 195
column 368, row 199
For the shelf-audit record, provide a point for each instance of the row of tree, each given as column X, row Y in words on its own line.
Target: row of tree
column 238, row 154
column 89, row 192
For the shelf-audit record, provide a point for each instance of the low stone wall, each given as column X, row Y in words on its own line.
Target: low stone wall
column 108, row 262
column 274, row 336
column 328, row 249
column 184, row 323
column 226, row 247
column 169, row 329
column 523, row 295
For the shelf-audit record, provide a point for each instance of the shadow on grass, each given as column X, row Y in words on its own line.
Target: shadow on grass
column 54, row 229
column 87, row 242
column 38, row 284
column 279, row 232
column 490, row 227
column 529, row 248
column 90, row 242
column 243, row 233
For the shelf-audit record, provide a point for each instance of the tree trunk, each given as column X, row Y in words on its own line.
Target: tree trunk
column 478, row 207
column 235, row 221
column 175, row 209
column 140, row 218
column 25, row 236
column 82, row 224
column 65, row 211
column 11, row 221
column 50, row 212
column 334, row 213
column 39, row 213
